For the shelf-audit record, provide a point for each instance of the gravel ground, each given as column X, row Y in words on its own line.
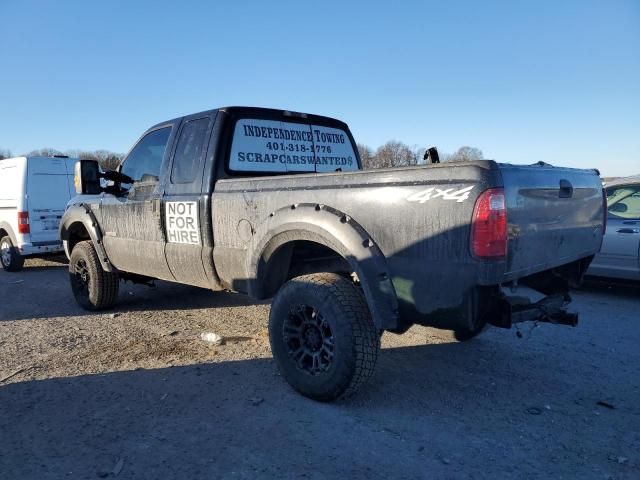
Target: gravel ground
column 134, row 393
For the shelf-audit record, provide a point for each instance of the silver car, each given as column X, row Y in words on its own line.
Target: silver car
column 619, row 256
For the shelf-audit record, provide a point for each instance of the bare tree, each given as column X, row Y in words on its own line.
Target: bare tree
column 5, row 154
column 419, row 154
column 393, row 154
column 44, row 152
column 83, row 154
column 107, row 160
column 366, row 155
column 464, row 154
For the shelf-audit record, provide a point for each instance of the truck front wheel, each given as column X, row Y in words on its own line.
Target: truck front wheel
column 322, row 336
column 93, row 287
column 12, row 261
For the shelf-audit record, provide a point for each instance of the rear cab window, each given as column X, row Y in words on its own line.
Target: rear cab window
column 273, row 146
column 190, row 151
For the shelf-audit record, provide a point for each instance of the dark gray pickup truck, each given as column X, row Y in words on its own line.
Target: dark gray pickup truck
column 274, row 204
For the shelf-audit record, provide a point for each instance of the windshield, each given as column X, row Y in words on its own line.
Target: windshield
column 275, row 146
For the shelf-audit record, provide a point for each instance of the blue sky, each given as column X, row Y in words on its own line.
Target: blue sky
column 557, row 81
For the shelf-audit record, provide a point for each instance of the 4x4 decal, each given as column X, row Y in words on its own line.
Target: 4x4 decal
column 445, row 193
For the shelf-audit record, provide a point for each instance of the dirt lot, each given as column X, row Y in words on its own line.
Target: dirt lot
column 135, row 393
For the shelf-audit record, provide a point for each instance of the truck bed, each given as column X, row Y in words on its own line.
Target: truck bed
column 420, row 218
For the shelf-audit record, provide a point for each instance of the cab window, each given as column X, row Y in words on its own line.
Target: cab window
column 190, row 151
column 144, row 161
column 624, row 202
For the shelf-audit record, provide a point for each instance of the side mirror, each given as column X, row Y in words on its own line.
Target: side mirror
column 116, row 176
column 87, row 177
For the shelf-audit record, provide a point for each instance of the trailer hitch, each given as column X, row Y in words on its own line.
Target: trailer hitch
column 518, row 309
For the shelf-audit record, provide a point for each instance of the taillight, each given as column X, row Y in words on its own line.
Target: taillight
column 23, row 222
column 489, row 225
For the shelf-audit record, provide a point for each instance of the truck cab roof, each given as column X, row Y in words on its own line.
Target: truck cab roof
column 262, row 112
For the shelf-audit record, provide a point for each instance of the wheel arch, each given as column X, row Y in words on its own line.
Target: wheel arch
column 272, row 245
column 79, row 224
column 5, row 229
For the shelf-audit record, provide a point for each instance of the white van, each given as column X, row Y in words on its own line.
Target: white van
column 34, row 192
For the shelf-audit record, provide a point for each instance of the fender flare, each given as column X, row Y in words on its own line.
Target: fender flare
column 7, row 228
column 81, row 213
column 335, row 230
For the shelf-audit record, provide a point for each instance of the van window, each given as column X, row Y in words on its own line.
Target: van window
column 189, row 151
column 144, row 161
column 9, row 185
column 273, row 146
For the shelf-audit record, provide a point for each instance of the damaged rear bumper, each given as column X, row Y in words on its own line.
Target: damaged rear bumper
column 526, row 304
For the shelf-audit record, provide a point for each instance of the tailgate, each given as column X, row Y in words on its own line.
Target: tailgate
column 555, row 216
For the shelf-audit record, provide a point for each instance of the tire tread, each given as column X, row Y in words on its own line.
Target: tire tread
column 366, row 340
column 17, row 260
column 104, row 289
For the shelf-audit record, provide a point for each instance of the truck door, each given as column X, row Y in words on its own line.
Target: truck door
column 132, row 224
column 184, row 202
column 618, row 256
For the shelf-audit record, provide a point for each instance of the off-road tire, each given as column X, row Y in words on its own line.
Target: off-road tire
column 92, row 287
column 475, row 317
column 12, row 261
column 354, row 338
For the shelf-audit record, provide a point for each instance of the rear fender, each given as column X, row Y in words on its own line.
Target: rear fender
column 81, row 213
column 337, row 231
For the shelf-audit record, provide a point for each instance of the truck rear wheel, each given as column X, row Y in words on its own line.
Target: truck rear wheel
column 322, row 336
column 466, row 335
column 11, row 259
column 93, row 287
column 475, row 315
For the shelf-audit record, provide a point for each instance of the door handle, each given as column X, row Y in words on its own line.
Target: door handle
column 628, row 230
column 566, row 189
column 154, row 205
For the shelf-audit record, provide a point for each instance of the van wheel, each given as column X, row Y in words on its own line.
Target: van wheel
column 11, row 259
column 93, row 288
column 322, row 336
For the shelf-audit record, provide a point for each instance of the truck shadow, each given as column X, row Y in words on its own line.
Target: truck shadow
column 622, row 288
column 44, row 292
column 240, row 418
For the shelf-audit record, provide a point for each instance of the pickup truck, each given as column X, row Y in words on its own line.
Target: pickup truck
column 275, row 204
